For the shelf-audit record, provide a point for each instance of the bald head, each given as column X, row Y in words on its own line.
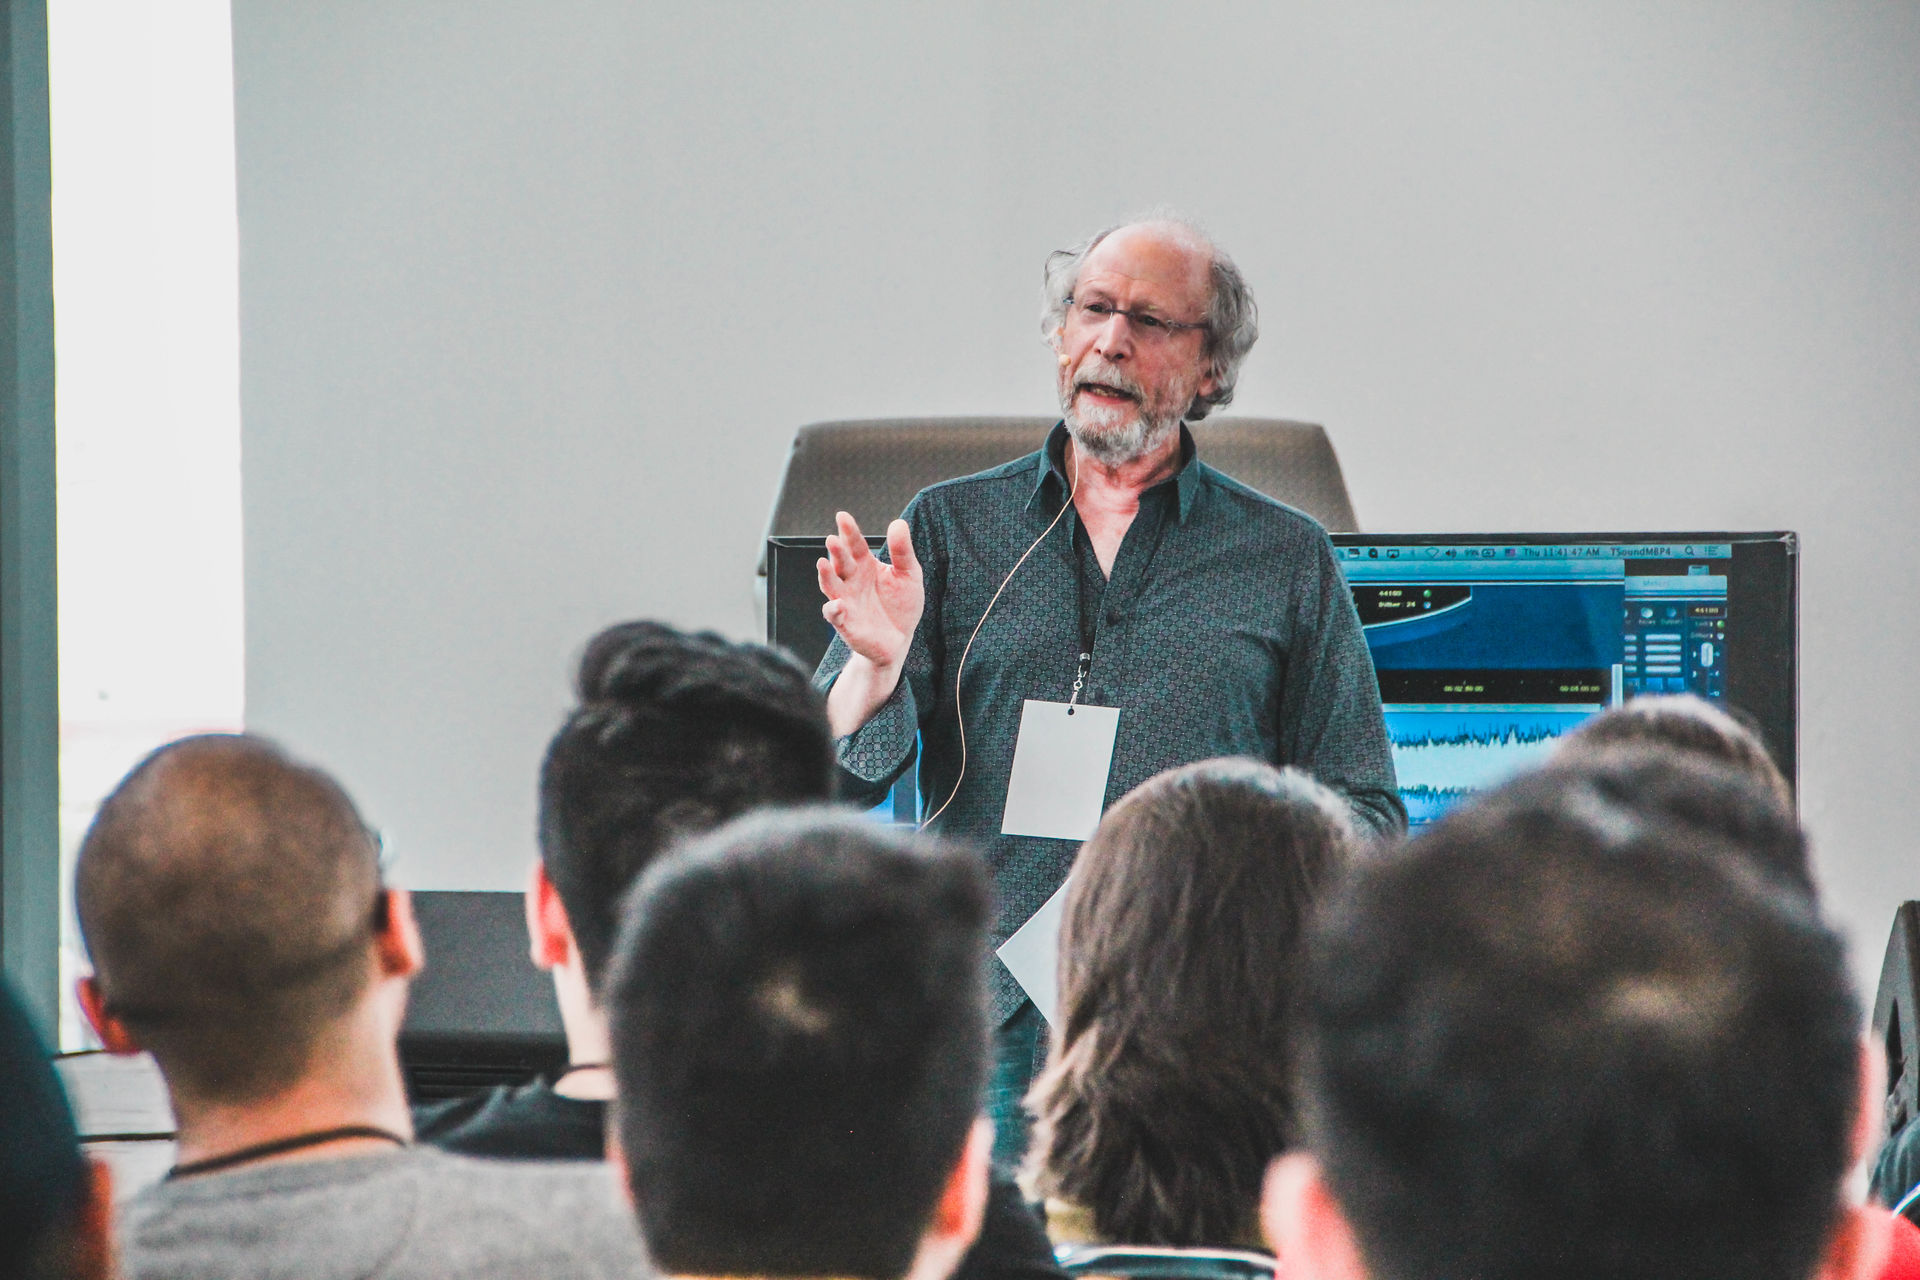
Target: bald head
column 228, row 897
column 1171, row 255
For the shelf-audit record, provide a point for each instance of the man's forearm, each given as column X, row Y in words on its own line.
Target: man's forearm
column 862, row 688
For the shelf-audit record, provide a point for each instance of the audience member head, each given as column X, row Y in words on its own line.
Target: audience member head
column 674, row 735
column 1168, row 1091
column 1694, row 795
column 1552, row 1037
column 55, row 1210
column 798, row 1017
column 230, row 898
column 1681, row 722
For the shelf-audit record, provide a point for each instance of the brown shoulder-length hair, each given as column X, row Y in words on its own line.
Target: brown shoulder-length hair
column 1168, row 1090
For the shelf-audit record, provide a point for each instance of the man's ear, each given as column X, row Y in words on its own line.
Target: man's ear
column 959, row 1211
column 113, row 1033
column 963, row 1201
column 396, row 941
column 93, row 1252
column 549, row 932
column 1863, row 1235
column 1305, row 1225
column 617, row 1157
column 1859, row 1245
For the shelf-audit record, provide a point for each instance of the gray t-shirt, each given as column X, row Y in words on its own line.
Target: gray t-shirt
column 394, row 1215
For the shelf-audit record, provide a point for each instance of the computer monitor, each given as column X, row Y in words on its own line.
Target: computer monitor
column 1489, row 646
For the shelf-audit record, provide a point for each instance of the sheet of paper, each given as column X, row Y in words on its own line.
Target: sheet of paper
column 1032, row 954
column 1060, row 765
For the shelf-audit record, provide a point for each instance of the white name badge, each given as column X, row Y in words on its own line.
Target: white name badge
column 1060, row 766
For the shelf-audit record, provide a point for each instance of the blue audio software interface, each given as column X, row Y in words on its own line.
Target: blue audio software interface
column 1487, row 652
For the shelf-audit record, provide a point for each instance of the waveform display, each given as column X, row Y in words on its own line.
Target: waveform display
column 1508, row 736
column 1424, row 804
column 1442, row 756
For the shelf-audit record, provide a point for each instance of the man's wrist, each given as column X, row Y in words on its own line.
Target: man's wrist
column 887, row 671
column 860, row 690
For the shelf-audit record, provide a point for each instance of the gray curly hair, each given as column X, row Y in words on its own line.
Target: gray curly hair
column 1232, row 323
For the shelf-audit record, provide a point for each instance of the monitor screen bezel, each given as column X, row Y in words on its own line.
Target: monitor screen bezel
column 1763, row 589
column 1764, row 586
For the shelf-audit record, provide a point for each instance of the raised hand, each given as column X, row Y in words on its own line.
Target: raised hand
column 873, row 605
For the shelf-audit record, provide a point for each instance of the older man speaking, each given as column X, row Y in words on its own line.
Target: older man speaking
column 1061, row 628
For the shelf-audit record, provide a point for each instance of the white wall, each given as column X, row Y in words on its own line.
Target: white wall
column 533, row 297
column 147, row 325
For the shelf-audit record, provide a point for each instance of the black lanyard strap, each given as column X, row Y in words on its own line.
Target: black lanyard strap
column 1088, row 620
column 280, row 1146
column 1153, row 507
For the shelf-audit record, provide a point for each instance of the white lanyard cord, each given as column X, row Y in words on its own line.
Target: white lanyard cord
column 959, row 712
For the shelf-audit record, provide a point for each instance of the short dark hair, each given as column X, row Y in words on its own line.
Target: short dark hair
column 1552, row 1037
column 1688, row 791
column 43, row 1180
column 798, row 1018
column 673, row 735
column 228, row 896
column 1169, row 1089
column 1683, row 722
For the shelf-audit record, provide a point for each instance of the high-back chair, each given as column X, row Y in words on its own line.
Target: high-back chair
column 872, row 467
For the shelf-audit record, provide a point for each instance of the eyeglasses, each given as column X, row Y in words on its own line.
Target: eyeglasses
column 1151, row 327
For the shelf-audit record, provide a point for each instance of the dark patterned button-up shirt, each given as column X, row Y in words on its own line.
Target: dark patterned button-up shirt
column 1226, row 629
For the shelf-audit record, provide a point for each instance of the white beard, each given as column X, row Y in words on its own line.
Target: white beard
column 1116, row 434
column 1112, row 445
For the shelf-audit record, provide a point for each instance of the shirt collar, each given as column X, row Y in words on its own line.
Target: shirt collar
column 1052, row 466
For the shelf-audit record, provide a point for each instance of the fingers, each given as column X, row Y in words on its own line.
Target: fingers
column 839, row 556
column 900, row 548
column 850, row 534
column 848, row 547
column 830, row 583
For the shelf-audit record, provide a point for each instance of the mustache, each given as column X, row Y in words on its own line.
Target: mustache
column 1098, row 372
